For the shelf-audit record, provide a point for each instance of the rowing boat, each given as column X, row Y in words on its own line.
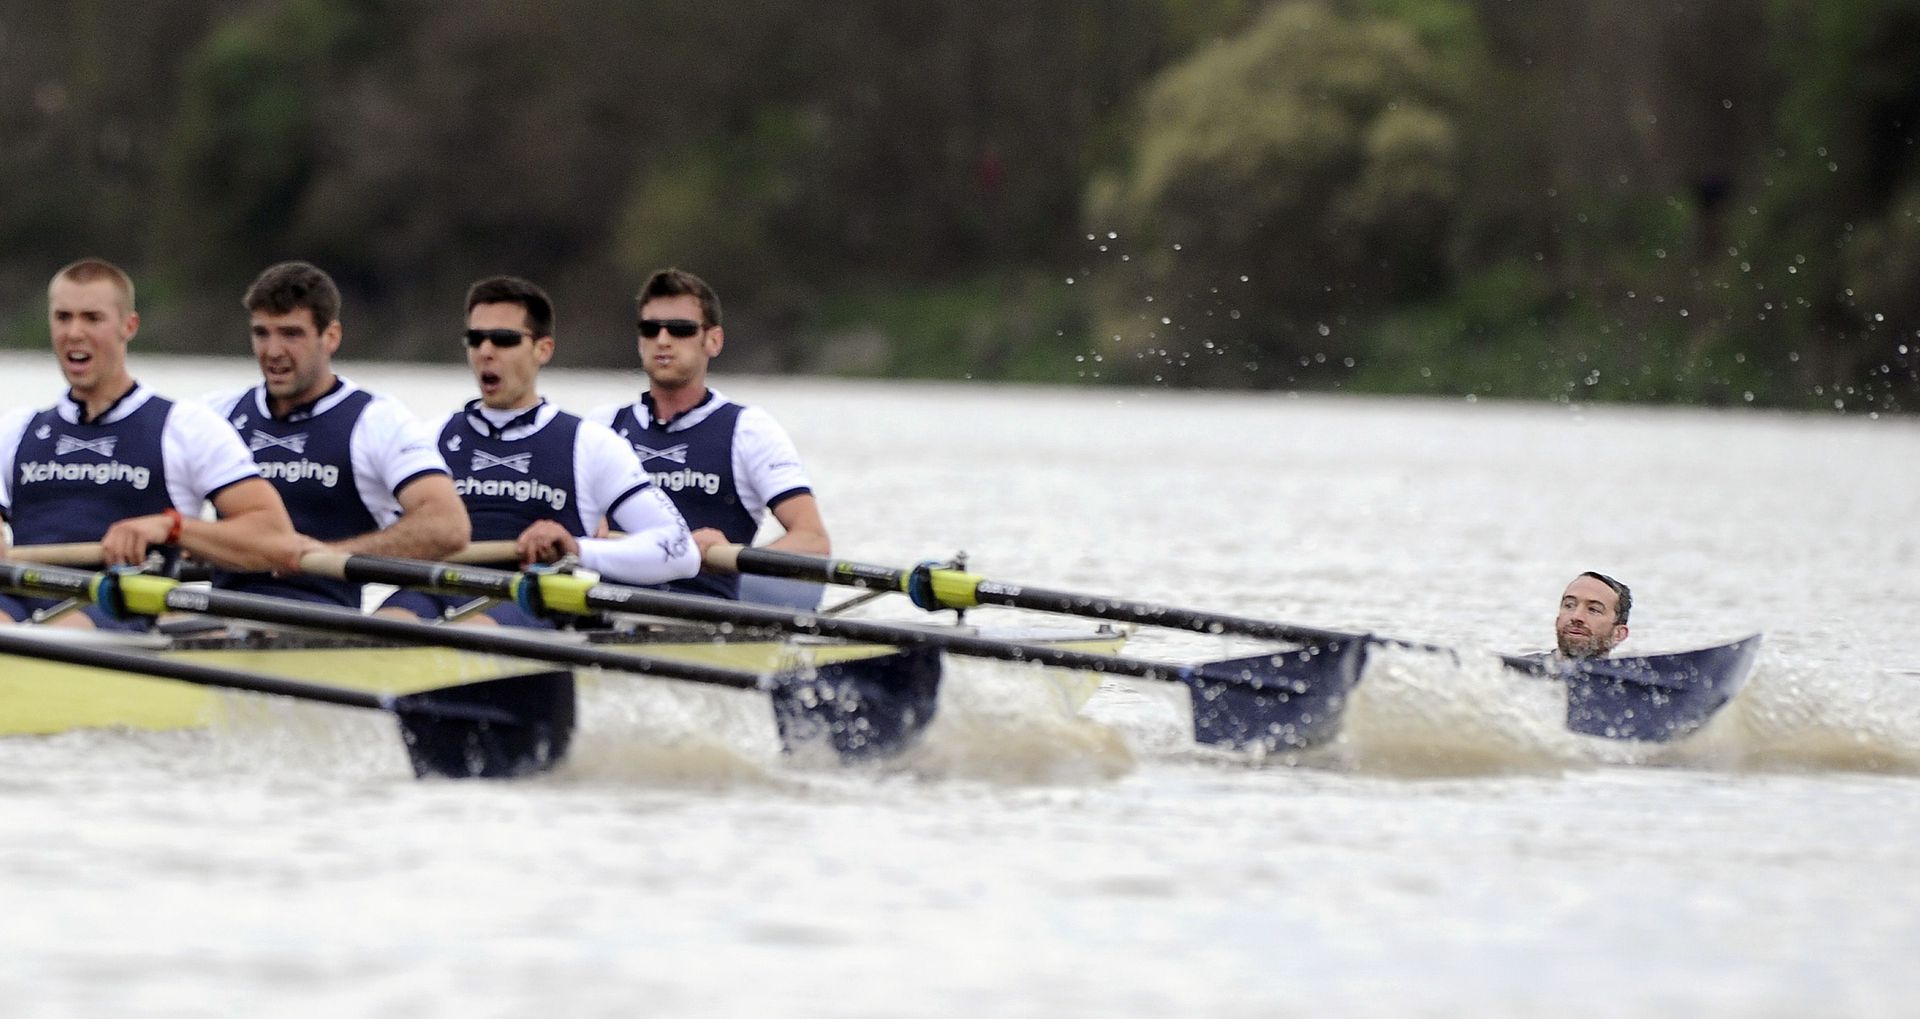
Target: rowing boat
column 40, row 697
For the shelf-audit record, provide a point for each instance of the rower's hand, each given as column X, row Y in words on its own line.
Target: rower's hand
column 297, row 551
column 127, row 541
column 706, row 538
column 545, row 541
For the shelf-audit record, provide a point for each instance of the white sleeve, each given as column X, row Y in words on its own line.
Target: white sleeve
column 390, row 448
column 222, row 403
column 657, row 547
column 12, row 427
column 765, row 464
column 203, row 454
column 602, row 415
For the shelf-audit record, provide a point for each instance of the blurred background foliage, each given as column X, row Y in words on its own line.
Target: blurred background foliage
column 1703, row 201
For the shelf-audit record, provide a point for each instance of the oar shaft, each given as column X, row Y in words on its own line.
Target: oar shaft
column 168, row 595
column 24, row 644
column 87, row 553
column 618, row 598
column 958, row 590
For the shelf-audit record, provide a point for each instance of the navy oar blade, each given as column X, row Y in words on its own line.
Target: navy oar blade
column 496, row 728
column 1655, row 697
column 867, row 709
column 1291, row 700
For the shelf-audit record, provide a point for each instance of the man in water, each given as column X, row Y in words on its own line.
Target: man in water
column 116, row 463
column 1593, row 616
column 355, row 469
column 725, row 465
column 544, row 479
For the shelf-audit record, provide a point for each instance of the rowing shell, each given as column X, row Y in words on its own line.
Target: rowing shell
column 39, row 697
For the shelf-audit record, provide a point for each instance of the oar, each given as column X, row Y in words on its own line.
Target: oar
column 1290, row 699
column 936, row 588
column 86, row 554
column 496, row 728
column 865, row 708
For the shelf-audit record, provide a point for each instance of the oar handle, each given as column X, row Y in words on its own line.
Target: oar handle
column 87, row 554
column 77, row 553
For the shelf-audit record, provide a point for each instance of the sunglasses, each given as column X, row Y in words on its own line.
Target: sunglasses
column 678, row 327
column 500, row 337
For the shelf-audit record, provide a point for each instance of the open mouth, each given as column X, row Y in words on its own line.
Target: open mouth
column 489, row 381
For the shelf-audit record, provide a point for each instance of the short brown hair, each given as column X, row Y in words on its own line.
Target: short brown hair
column 678, row 283
column 93, row 270
column 288, row 286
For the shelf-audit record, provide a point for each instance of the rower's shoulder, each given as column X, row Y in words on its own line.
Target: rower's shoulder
column 382, row 408
column 195, row 416
column 13, row 424
column 225, row 401
column 596, row 433
column 605, row 414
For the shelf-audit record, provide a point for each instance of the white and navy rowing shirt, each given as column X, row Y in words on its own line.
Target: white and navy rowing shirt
column 724, row 464
column 512, row 468
column 64, row 478
column 339, row 464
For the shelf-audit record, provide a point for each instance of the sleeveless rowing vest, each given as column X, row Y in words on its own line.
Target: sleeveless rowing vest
column 694, row 466
column 508, row 485
column 73, row 481
column 309, row 461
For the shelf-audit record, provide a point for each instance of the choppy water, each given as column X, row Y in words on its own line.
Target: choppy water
column 1457, row 852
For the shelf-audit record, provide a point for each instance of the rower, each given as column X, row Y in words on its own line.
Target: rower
column 1593, row 616
column 725, row 465
column 116, row 463
column 357, row 471
column 540, row 477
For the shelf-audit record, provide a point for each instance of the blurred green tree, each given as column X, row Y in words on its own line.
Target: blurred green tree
column 1285, row 184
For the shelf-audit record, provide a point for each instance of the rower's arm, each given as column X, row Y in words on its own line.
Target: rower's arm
column 433, row 524
column 806, row 532
column 252, row 534
column 655, row 548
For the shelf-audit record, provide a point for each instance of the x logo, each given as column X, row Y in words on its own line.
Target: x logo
column 69, row 444
column 678, row 454
column 293, row 443
column 518, row 462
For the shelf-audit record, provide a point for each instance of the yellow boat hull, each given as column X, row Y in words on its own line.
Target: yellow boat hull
column 38, row 697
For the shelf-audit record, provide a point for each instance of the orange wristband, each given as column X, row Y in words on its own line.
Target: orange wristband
column 173, row 532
